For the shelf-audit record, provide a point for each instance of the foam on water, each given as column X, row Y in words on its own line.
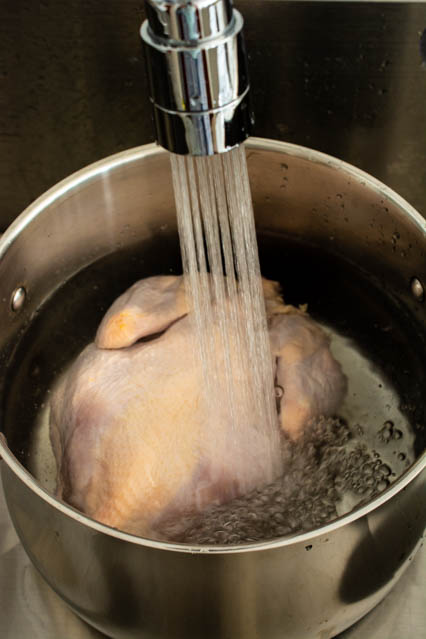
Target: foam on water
column 330, row 470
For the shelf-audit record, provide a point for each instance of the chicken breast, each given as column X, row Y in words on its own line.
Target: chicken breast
column 128, row 424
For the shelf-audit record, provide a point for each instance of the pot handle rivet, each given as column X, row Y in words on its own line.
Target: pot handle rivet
column 417, row 289
column 17, row 299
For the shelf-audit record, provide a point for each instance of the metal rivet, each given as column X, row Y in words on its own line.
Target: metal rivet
column 18, row 298
column 417, row 289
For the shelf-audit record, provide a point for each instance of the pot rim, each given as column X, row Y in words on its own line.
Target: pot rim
column 134, row 154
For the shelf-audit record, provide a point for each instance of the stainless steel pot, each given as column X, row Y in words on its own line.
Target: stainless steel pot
column 312, row 585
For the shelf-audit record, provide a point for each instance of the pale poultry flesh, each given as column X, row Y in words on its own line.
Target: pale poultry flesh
column 128, row 425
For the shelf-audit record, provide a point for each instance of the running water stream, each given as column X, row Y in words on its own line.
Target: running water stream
column 224, row 288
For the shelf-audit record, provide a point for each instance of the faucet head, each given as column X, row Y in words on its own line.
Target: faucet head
column 198, row 75
column 188, row 21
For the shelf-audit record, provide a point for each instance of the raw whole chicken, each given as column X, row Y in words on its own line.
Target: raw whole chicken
column 127, row 424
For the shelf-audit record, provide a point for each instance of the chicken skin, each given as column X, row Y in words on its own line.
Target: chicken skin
column 128, row 422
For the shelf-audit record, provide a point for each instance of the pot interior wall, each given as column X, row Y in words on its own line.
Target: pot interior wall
column 331, row 240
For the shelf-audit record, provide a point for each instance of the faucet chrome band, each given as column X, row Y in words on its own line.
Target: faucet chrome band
column 198, row 75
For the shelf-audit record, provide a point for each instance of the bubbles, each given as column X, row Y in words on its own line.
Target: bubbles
column 384, row 470
column 385, row 434
column 330, row 465
column 382, row 485
column 388, row 432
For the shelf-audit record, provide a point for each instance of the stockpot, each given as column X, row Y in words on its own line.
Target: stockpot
column 310, row 585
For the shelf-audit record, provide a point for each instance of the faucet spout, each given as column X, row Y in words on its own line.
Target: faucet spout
column 198, row 75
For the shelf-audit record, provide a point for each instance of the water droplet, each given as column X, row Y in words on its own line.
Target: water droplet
column 279, row 392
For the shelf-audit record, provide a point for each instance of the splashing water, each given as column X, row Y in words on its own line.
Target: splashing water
column 224, row 288
column 330, row 471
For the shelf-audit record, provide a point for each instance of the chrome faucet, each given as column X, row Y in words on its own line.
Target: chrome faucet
column 198, row 75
